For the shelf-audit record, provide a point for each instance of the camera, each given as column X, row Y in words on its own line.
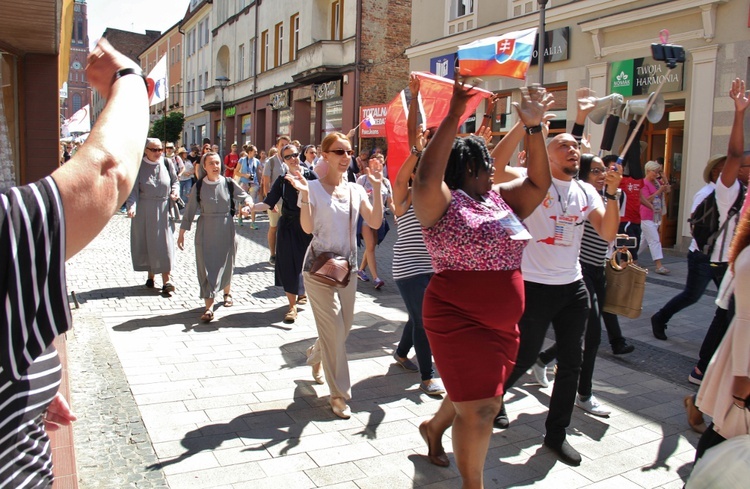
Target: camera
column 625, row 242
column 671, row 54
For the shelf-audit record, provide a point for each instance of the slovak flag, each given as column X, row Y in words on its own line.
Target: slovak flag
column 369, row 121
column 507, row 55
column 157, row 82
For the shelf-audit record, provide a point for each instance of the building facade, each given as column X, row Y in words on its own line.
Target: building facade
column 302, row 68
column 605, row 45
column 197, row 71
column 78, row 93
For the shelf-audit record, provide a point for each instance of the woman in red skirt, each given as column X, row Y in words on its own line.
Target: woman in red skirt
column 474, row 300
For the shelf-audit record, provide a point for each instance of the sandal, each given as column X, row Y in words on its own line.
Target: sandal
column 662, row 271
column 302, row 300
column 207, row 316
column 291, row 315
column 228, row 302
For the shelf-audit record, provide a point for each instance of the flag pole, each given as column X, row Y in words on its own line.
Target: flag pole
column 542, row 39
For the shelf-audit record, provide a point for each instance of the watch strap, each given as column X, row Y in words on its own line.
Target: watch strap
column 130, row 71
column 533, row 129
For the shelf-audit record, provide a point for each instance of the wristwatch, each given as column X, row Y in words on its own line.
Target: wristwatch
column 130, row 71
column 416, row 152
column 533, row 129
column 610, row 196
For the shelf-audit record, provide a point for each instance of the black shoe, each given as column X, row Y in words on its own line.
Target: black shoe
column 272, row 260
column 501, row 420
column 658, row 327
column 622, row 347
column 568, row 455
column 150, row 283
column 168, row 288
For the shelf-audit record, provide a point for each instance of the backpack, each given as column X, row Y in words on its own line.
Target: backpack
column 230, row 188
column 704, row 221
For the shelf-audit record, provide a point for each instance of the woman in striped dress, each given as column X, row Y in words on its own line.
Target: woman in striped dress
column 412, row 265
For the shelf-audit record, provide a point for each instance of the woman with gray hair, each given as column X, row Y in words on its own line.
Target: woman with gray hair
column 151, row 231
column 652, row 204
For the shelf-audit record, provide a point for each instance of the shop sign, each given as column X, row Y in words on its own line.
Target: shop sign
column 328, row 90
column 377, row 113
column 280, row 100
column 641, row 76
column 230, row 112
column 285, row 122
column 444, row 66
column 556, row 44
column 247, row 121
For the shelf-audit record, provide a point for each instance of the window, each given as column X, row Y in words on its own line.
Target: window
column 294, row 40
column 337, row 20
column 251, row 58
column 241, row 62
column 205, row 34
column 264, row 51
column 77, row 101
column 278, row 50
column 177, row 94
column 80, row 31
column 200, row 34
column 190, row 92
column 171, row 56
column 200, row 88
column 179, row 52
column 518, row 8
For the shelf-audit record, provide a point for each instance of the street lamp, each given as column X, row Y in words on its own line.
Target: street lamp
column 542, row 39
column 223, row 82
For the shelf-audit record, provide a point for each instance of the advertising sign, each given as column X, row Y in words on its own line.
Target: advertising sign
column 247, row 123
column 374, row 113
column 641, row 76
column 556, row 44
column 444, row 66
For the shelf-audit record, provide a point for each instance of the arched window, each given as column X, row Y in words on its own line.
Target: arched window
column 76, row 102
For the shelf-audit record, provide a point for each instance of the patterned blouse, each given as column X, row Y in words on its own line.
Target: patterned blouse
column 476, row 236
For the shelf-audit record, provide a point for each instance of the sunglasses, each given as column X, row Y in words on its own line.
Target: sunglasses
column 156, row 150
column 290, row 156
column 342, row 152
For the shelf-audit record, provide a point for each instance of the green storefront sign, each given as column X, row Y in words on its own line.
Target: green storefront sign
column 641, row 76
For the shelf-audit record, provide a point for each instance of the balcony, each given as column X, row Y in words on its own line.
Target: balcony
column 323, row 60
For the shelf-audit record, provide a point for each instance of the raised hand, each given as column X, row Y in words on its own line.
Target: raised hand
column 422, row 135
column 612, row 178
column 586, row 101
column 413, row 85
column 374, row 172
column 739, row 95
column 586, row 143
column 485, row 132
column 459, row 99
column 535, row 101
column 298, row 181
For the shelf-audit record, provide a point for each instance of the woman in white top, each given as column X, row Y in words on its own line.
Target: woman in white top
column 374, row 236
column 329, row 208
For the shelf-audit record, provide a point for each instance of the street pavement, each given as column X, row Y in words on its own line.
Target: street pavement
column 167, row 401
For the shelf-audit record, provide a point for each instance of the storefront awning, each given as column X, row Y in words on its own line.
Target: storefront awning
column 31, row 26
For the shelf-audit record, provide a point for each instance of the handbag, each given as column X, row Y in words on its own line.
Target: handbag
column 625, row 287
column 332, row 269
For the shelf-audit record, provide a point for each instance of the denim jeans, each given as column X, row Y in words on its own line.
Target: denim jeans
column 567, row 308
column 412, row 291
column 700, row 272
column 185, row 186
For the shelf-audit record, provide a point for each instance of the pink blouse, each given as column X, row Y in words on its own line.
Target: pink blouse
column 476, row 236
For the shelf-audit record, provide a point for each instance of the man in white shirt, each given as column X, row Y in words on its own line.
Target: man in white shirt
column 554, row 287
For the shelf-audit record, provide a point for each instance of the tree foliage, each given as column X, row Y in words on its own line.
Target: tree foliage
column 175, row 121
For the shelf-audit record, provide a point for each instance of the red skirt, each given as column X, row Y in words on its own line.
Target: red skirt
column 471, row 319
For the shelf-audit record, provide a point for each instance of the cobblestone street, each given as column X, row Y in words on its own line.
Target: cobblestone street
column 166, row 401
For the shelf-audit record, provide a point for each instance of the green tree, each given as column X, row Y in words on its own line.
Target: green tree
column 175, row 121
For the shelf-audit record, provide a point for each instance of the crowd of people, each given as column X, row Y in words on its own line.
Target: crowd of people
column 487, row 258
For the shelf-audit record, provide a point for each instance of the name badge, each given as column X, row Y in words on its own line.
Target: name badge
column 513, row 227
column 565, row 230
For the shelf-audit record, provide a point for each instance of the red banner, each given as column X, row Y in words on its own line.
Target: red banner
column 373, row 121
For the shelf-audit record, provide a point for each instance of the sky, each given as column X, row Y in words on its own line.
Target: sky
column 133, row 15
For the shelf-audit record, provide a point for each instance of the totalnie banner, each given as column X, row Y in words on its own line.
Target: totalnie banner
column 641, row 76
column 376, row 115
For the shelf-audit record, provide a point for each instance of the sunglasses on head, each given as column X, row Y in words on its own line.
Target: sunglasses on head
column 290, row 156
column 342, row 152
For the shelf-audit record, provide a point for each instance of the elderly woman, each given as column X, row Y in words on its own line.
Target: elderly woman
column 291, row 240
column 329, row 210
column 652, row 205
column 151, row 231
column 472, row 305
column 215, row 242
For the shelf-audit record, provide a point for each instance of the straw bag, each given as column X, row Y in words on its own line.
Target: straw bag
column 625, row 287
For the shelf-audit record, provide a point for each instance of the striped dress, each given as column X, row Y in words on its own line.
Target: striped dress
column 34, row 295
column 410, row 256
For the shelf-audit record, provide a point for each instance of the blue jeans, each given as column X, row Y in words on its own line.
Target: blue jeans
column 185, row 186
column 412, row 291
column 700, row 273
column 567, row 308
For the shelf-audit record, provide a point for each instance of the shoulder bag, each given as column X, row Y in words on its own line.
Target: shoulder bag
column 625, row 287
column 330, row 268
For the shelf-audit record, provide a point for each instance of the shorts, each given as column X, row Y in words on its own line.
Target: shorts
column 273, row 217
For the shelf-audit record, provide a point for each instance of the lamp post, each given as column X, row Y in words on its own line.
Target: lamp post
column 542, row 39
column 223, row 82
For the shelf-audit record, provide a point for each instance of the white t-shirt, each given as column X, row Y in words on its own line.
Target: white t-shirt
column 333, row 229
column 725, row 197
column 544, row 261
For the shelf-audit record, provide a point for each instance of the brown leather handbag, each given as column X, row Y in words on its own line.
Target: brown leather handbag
column 626, row 286
column 330, row 268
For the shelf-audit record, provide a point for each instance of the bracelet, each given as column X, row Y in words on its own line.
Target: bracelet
column 486, row 116
column 533, row 129
column 130, row 71
column 610, row 196
column 739, row 398
column 302, row 202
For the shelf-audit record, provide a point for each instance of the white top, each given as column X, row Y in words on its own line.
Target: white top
column 331, row 220
column 385, row 189
column 544, row 261
column 725, row 197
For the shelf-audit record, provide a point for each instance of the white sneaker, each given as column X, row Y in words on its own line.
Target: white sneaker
column 540, row 374
column 592, row 406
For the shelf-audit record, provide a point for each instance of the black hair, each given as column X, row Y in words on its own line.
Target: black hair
column 584, row 168
column 468, row 154
column 609, row 159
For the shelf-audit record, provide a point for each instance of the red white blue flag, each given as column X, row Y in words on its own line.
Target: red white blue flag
column 157, row 82
column 507, row 55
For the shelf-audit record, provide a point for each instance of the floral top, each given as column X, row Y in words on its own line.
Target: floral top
column 476, row 236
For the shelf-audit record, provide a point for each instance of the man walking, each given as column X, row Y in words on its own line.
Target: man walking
column 271, row 170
